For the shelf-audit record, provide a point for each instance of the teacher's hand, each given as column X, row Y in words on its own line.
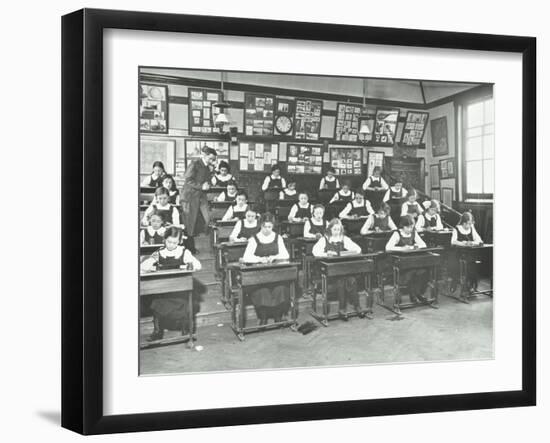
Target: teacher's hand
column 205, row 186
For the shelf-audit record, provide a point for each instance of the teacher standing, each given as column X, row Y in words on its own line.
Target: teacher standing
column 197, row 183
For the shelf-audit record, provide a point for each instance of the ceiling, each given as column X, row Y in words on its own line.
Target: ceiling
column 384, row 89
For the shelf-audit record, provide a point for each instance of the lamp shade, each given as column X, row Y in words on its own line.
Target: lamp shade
column 364, row 129
column 221, row 119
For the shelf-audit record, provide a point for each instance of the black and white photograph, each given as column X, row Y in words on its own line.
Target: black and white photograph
column 262, row 253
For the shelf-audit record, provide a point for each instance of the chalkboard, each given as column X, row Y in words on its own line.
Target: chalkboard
column 408, row 170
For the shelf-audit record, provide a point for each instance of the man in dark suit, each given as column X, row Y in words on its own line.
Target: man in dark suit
column 197, row 182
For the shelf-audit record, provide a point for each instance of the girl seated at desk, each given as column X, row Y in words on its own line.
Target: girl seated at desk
column 289, row 193
column 155, row 179
column 315, row 226
column 430, row 220
column 274, row 181
column 464, row 234
column 223, row 177
column 229, row 194
column 301, row 210
column 245, row 228
column 344, row 195
column 332, row 244
column 411, row 206
column 375, row 187
column 395, row 194
column 161, row 206
column 238, row 209
column 169, row 183
column 329, row 181
column 379, row 222
column 271, row 300
column 154, row 233
column 359, row 207
column 404, row 239
column 172, row 311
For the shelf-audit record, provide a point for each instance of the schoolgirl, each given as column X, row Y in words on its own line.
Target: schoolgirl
column 379, row 222
column 301, row 210
column 329, row 181
column 359, row 207
column 247, row 227
column 223, row 177
column 315, row 226
column 238, row 209
column 155, row 179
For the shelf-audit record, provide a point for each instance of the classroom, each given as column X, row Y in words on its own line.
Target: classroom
column 290, row 220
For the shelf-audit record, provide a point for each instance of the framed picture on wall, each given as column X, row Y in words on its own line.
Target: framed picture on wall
column 440, row 140
column 153, row 108
column 120, row 300
column 447, row 168
column 414, row 128
column 374, row 159
column 434, row 176
column 447, row 196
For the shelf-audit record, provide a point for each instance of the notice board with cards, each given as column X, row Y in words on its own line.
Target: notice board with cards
column 258, row 114
column 307, row 119
column 304, row 158
column 202, row 113
column 346, row 160
column 415, row 126
column 258, row 156
column 347, row 122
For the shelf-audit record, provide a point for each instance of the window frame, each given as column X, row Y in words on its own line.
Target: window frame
column 462, row 117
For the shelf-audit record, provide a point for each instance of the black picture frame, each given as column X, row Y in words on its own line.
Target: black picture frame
column 439, row 129
column 82, row 238
column 375, row 133
column 407, row 131
column 444, row 173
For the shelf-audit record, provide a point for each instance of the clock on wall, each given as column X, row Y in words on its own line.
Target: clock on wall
column 284, row 116
column 283, row 124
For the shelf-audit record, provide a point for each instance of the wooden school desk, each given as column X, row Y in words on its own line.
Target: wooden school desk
column 249, row 275
column 437, row 238
column 228, row 253
column 407, row 260
column 472, row 256
column 324, row 196
column 218, row 209
column 292, row 229
column 282, row 209
column 166, row 282
column 302, row 251
column 334, row 209
column 353, row 225
column 221, row 230
column 339, row 267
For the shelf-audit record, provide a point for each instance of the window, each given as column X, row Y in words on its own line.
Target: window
column 478, row 153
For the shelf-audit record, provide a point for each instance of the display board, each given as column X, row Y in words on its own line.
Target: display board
column 409, row 170
column 202, row 113
column 347, row 122
column 258, row 114
column 374, row 159
column 414, row 128
column 304, row 158
column 440, row 143
column 346, row 160
column 307, row 119
column 258, row 156
column 153, row 109
column 385, row 126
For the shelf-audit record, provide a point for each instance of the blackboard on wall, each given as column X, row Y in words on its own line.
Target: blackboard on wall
column 409, row 170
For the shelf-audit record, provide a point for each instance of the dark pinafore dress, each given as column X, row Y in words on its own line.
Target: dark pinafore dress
column 381, row 223
column 165, row 214
column 290, row 197
column 270, row 195
column 360, row 211
column 269, row 295
column 246, row 232
column 172, row 309
column 238, row 213
column 472, row 269
column 317, row 229
column 303, row 212
column 155, row 239
column 431, row 222
column 375, row 197
column 412, row 209
column 156, row 183
column 219, row 183
column 345, row 198
column 330, row 184
column 346, row 288
column 395, row 201
column 173, row 195
column 227, row 197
